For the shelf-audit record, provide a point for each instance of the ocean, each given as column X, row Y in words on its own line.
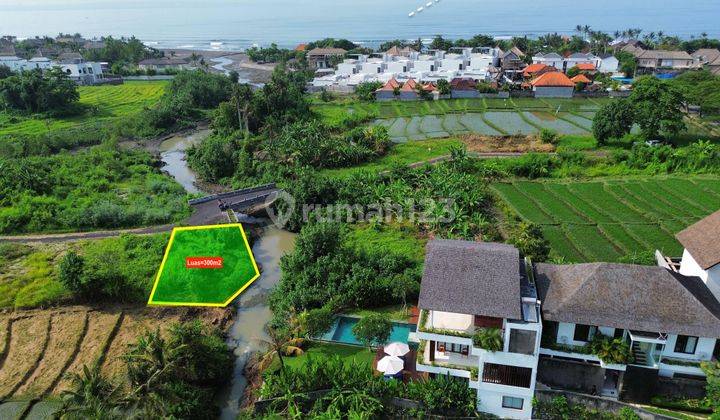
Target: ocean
column 238, row 24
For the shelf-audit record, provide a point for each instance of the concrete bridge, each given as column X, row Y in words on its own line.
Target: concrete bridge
column 212, row 208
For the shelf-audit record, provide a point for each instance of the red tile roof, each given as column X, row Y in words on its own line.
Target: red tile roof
column 301, row 47
column 553, row 79
column 586, row 67
column 409, row 86
column 391, row 85
column 534, row 68
column 429, row 87
column 581, row 78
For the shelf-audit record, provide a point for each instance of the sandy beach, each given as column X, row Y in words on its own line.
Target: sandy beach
column 225, row 61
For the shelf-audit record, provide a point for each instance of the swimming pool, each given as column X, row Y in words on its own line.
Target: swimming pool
column 341, row 332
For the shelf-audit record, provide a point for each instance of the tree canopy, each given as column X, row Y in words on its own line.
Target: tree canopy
column 35, row 91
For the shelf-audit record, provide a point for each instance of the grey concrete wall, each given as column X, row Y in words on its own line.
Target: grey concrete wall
column 384, row 96
column 464, row 94
column 567, row 374
column 554, row 92
column 409, row 96
column 680, row 387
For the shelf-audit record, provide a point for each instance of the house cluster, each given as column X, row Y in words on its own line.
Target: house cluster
column 545, row 315
column 667, row 62
column 397, row 66
column 81, row 71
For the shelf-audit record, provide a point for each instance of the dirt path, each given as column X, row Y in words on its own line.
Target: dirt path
column 78, row 236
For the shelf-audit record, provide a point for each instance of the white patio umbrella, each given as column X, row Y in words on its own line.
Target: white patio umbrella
column 397, row 349
column 390, row 365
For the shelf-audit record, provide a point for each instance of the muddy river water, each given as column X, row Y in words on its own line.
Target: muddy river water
column 252, row 311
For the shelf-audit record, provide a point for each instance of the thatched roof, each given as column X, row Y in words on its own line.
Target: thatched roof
column 475, row 278
column 628, row 296
column 702, row 240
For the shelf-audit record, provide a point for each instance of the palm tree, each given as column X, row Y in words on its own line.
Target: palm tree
column 281, row 343
column 91, row 396
column 242, row 96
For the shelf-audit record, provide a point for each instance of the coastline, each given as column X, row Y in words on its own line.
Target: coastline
column 228, row 61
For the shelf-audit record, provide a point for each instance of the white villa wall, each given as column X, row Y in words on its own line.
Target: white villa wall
column 372, row 68
column 703, row 350
column 609, row 65
column 397, row 67
column 711, row 277
column 452, row 64
column 425, row 66
column 347, row 69
column 490, row 400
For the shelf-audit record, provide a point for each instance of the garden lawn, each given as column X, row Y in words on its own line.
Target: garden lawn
column 402, row 154
column 318, row 349
column 104, row 102
column 608, row 219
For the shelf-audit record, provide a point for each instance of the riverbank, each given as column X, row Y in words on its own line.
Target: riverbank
column 226, row 61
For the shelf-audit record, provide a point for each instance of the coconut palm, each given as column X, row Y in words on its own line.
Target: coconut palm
column 280, row 342
column 91, row 396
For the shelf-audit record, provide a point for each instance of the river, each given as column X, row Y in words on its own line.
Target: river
column 172, row 154
column 252, row 311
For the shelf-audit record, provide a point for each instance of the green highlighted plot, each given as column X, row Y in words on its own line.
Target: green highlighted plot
column 204, row 266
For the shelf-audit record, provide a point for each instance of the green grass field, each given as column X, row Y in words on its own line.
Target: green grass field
column 177, row 284
column 401, row 154
column 104, row 102
column 347, row 353
column 608, row 219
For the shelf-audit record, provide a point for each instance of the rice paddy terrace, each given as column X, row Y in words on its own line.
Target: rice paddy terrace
column 39, row 348
column 418, row 120
column 604, row 220
column 104, row 102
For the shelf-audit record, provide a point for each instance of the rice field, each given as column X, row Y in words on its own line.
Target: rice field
column 104, row 102
column 417, row 120
column 606, row 220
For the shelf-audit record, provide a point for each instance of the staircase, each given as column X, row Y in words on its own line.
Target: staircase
column 639, row 354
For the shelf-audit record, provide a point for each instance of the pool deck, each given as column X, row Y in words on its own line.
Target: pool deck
column 409, row 372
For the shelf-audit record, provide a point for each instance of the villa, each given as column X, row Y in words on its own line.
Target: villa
column 509, row 326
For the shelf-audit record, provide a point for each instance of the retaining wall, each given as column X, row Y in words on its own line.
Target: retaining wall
column 597, row 403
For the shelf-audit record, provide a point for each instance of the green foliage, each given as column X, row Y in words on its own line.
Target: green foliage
column 188, row 93
column 312, row 144
column 700, row 88
column 712, row 389
column 484, row 87
column 613, row 121
column 324, row 268
column 36, row 91
column 609, row 350
column 214, row 158
column 489, row 339
column 444, row 395
column 113, row 269
column 559, row 409
column 529, row 239
column 533, row 165
column 695, row 405
column 657, row 107
column 271, row 54
column 639, row 258
column 549, row 136
column 366, row 91
column 121, row 51
column 101, row 187
column 91, row 396
column 316, row 322
column 443, row 87
column 627, row 63
column 332, row 43
column 373, row 329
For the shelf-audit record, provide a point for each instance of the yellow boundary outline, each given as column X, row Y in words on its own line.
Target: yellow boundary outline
column 167, row 252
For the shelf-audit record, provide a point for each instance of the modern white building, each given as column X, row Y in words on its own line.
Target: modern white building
column 544, row 317
column 606, row 64
column 79, row 70
column 701, row 256
column 471, row 289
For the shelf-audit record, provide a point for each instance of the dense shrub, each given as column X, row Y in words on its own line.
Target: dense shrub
column 366, row 91
column 36, row 91
column 102, row 187
column 214, row 158
column 324, row 268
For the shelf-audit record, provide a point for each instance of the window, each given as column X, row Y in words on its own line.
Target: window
column 619, row 332
column 522, row 341
column 453, row 348
column 685, row 344
column 582, row 332
column 512, row 402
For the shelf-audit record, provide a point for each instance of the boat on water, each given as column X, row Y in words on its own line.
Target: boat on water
column 429, row 4
column 411, row 14
column 420, row 9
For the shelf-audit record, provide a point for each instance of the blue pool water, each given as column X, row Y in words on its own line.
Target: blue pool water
column 342, row 331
